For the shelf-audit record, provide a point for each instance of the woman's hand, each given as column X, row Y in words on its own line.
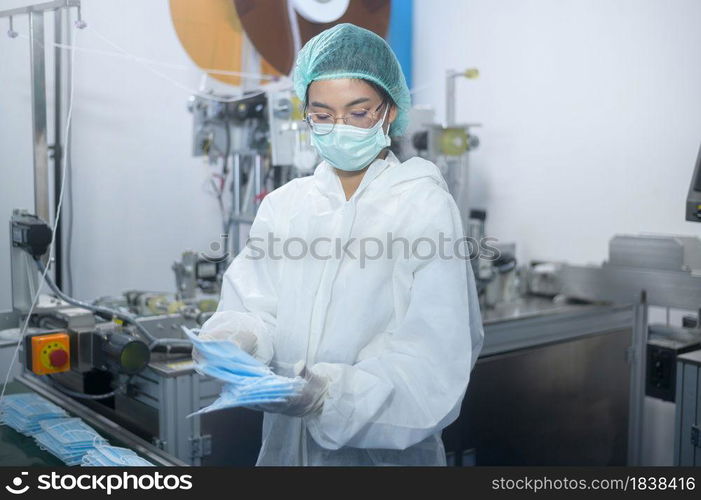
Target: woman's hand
column 308, row 401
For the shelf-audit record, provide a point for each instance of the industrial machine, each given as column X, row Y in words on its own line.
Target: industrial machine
column 693, row 199
column 124, row 362
column 260, row 140
column 665, row 268
column 446, row 144
column 648, row 270
column 665, row 345
column 687, row 431
column 551, row 387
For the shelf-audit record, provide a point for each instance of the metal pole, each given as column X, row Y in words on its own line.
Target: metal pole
column 450, row 98
column 637, row 381
column 236, row 208
column 40, row 7
column 258, row 178
column 38, row 75
column 58, row 148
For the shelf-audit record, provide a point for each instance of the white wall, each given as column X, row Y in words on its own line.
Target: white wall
column 139, row 195
column 591, row 114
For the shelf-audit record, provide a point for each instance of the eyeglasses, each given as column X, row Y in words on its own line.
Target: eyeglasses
column 323, row 123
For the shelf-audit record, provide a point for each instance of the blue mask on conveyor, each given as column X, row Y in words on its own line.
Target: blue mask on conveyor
column 113, row 456
column 24, row 411
column 69, row 439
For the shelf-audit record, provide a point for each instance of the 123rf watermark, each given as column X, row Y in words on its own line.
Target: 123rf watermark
column 627, row 483
column 107, row 483
column 366, row 249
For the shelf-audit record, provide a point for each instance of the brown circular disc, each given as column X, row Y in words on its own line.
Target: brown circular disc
column 211, row 33
column 267, row 25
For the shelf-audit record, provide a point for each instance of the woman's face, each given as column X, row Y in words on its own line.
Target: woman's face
column 340, row 96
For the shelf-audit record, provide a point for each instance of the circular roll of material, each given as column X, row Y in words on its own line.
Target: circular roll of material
column 267, row 25
column 210, row 32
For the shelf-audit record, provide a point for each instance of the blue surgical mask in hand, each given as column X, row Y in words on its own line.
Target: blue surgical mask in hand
column 270, row 389
column 247, row 380
column 227, row 355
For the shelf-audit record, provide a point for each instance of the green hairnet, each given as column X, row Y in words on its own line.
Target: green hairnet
column 347, row 51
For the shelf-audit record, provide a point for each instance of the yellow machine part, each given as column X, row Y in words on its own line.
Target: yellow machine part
column 51, row 353
column 454, row 141
column 175, row 306
column 207, row 305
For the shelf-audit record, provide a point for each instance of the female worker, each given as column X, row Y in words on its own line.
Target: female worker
column 352, row 273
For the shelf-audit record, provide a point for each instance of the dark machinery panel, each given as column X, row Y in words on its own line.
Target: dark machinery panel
column 559, row 404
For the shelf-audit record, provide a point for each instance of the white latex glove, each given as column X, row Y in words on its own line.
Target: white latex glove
column 308, row 401
column 233, row 326
column 245, row 340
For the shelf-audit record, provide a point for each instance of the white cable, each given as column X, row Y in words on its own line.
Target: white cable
column 203, row 82
column 147, row 62
column 167, row 78
column 53, row 233
column 124, row 54
column 127, row 55
column 420, row 88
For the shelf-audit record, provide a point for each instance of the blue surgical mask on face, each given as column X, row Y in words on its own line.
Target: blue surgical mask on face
column 352, row 148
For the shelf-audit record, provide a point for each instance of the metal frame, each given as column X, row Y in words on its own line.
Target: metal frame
column 39, row 105
column 551, row 327
column 687, row 448
column 39, row 7
column 175, row 392
column 637, row 359
column 678, row 289
column 642, row 287
column 39, row 125
column 61, row 17
column 38, row 75
column 243, row 210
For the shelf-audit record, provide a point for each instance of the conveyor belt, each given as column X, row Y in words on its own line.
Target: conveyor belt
column 19, row 450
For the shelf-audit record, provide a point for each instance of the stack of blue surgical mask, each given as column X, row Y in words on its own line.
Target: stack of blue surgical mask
column 113, row 456
column 69, row 439
column 23, row 412
column 248, row 382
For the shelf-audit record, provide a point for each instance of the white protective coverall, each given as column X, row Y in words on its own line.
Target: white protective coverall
column 396, row 334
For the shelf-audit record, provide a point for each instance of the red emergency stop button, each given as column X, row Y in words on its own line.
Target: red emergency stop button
column 58, row 357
